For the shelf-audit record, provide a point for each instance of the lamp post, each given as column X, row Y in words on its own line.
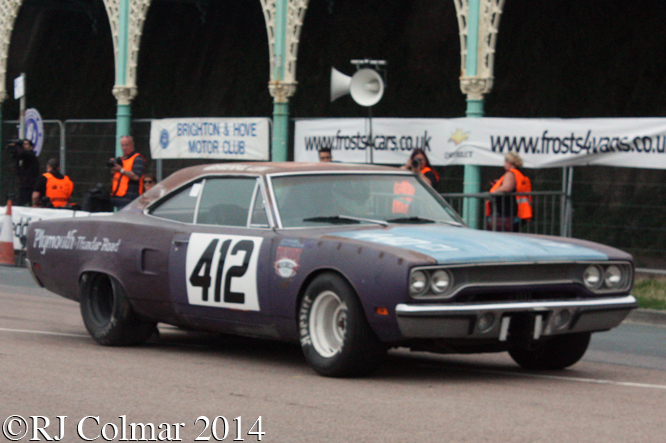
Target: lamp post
column 478, row 22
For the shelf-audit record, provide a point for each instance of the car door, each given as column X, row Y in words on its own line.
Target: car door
column 218, row 264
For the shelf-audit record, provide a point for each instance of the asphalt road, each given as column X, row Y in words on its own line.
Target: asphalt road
column 50, row 367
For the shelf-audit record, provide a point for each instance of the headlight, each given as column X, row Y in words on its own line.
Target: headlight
column 592, row 277
column 440, row 281
column 418, row 282
column 612, row 277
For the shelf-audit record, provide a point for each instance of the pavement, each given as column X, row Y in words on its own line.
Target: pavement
column 648, row 316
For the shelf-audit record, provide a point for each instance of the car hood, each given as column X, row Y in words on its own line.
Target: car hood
column 447, row 244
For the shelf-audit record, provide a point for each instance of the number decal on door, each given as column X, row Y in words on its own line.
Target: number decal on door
column 228, row 264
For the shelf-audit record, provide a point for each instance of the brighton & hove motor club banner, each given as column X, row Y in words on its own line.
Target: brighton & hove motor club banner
column 210, row 138
column 23, row 216
column 541, row 143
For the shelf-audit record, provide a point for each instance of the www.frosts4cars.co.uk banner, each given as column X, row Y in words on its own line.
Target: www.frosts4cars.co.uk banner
column 210, row 138
column 541, row 143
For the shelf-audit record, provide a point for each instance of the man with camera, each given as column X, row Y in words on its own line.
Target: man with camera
column 127, row 173
column 27, row 169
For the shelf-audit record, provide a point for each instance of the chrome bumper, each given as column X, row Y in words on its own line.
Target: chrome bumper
column 493, row 320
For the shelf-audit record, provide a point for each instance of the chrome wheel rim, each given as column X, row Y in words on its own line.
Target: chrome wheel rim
column 328, row 324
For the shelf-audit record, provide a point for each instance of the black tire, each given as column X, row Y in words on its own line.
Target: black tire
column 336, row 339
column 558, row 352
column 108, row 315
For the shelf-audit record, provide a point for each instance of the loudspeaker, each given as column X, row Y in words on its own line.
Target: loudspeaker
column 340, row 84
column 365, row 86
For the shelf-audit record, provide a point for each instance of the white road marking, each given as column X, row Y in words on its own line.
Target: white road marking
column 27, row 331
column 575, row 379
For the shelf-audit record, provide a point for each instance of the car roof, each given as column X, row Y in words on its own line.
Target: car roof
column 253, row 169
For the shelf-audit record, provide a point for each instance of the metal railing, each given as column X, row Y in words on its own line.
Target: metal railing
column 551, row 214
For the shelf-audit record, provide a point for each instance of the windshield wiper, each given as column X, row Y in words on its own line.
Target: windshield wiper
column 410, row 220
column 344, row 219
column 421, row 220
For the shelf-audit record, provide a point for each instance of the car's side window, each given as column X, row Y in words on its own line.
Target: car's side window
column 226, row 201
column 180, row 206
column 259, row 216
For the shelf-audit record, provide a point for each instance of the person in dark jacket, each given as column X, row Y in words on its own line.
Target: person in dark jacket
column 27, row 171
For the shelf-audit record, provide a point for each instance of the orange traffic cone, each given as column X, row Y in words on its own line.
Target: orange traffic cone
column 7, row 238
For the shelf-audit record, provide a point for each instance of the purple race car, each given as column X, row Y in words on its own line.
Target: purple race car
column 350, row 260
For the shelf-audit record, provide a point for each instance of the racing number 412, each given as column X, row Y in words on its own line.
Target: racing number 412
column 211, row 253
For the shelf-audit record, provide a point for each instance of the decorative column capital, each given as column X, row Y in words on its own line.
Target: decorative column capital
column 475, row 84
column 475, row 87
column 281, row 91
column 282, row 84
column 124, row 94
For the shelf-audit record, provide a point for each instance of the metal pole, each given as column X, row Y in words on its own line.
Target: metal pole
column 472, row 173
column 124, row 111
column 280, row 107
column 22, row 110
column 63, row 157
column 569, row 211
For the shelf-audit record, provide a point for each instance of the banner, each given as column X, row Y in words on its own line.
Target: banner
column 541, row 143
column 210, row 138
column 23, row 216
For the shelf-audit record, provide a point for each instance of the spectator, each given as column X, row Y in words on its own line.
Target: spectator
column 325, row 155
column 149, row 181
column 52, row 189
column 418, row 163
column 127, row 173
column 27, row 170
column 509, row 214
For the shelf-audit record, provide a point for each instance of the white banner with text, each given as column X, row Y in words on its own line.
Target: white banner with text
column 541, row 143
column 23, row 216
column 210, row 138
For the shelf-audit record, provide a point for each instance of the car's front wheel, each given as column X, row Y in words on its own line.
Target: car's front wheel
column 558, row 352
column 336, row 338
column 107, row 313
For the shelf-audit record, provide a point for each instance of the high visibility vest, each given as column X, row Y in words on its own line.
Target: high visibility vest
column 401, row 202
column 524, row 202
column 121, row 182
column 58, row 189
column 427, row 169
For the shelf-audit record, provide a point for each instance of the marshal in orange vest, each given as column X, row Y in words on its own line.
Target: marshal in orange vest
column 58, row 190
column 121, row 182
column 524, row 202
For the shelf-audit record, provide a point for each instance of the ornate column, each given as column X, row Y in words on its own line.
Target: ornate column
column 126, row 18
column 478, row 21
column 8, row 11
column 284, row 20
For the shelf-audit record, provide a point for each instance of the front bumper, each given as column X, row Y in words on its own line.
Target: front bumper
column 494, row 320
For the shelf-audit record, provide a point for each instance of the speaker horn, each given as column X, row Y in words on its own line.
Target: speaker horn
column 340, row 84
column 367, row 87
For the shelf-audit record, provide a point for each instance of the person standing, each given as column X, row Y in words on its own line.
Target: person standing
column 127, row 170
column 419, row 164
column 510, row 213
column 52, row 184
column 27, row 170
column 149, row 181
column 325, row 155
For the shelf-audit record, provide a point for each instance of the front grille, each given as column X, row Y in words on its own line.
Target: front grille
column 493, row 295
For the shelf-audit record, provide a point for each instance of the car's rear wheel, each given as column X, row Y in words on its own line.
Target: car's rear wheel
column 336, row 338
column 558, row 352
column 107, row 313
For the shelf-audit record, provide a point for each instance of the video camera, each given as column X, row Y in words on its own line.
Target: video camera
column 14, row 146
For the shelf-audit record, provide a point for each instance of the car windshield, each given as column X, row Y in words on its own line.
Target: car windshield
column 335, row 199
